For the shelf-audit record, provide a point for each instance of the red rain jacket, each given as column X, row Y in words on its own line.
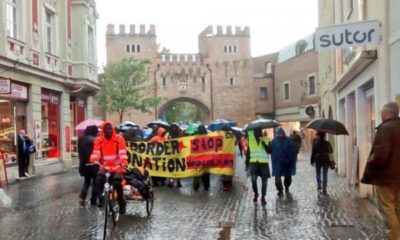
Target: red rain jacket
column 110, row 153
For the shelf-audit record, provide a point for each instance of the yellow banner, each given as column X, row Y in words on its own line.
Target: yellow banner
column 185, row 157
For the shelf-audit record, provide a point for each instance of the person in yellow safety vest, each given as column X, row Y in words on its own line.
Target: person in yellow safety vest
column 257, row 159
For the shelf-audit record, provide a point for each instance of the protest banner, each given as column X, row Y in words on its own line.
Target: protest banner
column 185, row 157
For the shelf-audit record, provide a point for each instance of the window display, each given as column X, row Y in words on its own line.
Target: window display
column 50, row 125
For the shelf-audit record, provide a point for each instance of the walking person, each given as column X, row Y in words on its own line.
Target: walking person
column 85, row 149
column 205, row 178
column 383, row 168
column 23, row 154
column 174, row 132
column 109, row 150
column 257, row 159
column 283, row 153
column 320, row 156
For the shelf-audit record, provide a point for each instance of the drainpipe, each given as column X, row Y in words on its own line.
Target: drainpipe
column 211, row 92
column 155, row 91
column 273, row 93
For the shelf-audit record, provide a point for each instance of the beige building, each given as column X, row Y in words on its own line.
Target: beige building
column 48, row 74
column 213, row 79
column 296, row 87
column 357, row 81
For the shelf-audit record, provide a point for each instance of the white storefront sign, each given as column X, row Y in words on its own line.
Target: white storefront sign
column 5, row 86
column 17, row 91
column 348, row 35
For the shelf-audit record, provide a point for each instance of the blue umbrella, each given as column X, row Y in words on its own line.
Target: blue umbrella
column 217, row 125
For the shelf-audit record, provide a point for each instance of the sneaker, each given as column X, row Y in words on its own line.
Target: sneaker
column 82, row 202
column 122, row 208
column 263, row 201
column 255, row 198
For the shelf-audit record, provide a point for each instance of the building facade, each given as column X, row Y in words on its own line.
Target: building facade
column 362, row 80
column 296, row 87
column 213, row 79
column 48, row 74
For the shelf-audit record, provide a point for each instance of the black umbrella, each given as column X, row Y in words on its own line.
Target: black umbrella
column 218, row 124
column 125, row 125
column 159, row 123
column 262, row 123
column 328, row 126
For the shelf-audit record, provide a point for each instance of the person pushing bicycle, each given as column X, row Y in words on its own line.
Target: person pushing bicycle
column 109, row 151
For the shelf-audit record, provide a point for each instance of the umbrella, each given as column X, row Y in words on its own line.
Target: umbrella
column 261, row 123
column 329, row 126
column 88, row 122
column 217, row 125
column 159, row 123
column 125, row 125
column 192, row 128
column 183, row 126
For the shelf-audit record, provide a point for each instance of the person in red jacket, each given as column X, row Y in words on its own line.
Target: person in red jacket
column 110, row 151
column 159, row 137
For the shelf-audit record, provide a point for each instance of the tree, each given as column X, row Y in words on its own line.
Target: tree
column 125, row 86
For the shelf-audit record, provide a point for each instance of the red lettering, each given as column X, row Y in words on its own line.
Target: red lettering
column 207, row 144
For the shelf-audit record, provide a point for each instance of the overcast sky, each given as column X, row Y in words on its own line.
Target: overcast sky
column 273, row 23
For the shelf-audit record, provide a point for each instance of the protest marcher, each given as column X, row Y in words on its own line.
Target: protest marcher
column 227, row 180
column 174, row 132
column 85, row 149
column 383, row 168
column 257, row 159
column 205, row 178
column 159, row 137
column 296, row 138
column 283, row 153
column 320, row 156
column 109, row 150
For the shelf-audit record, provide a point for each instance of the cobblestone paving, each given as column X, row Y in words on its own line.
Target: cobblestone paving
column 47, row 208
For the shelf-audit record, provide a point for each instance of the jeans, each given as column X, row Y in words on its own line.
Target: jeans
column 89, row 179
column 324, row 167
column 115, row 179
column 389, row 207
column 259, row 170
column 23, row 164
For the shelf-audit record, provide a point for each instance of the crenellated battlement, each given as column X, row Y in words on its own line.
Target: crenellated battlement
column 225, row 31
column 143, row 30
column 179, row 58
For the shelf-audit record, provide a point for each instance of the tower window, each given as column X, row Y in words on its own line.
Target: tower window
column 286, row 93
column 164, row 81
column 133, row 48
column 263, row 93
column 235, row 49
column 203, row 81
column 231, row 81
column 138, row 48
column 225, row 49
column 128, row 48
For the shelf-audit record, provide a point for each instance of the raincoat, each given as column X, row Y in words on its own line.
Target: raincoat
column 283, row 153
column 159, row 137
column 110, row 153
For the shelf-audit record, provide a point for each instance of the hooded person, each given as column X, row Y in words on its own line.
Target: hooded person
column 110, row 151
column 174, row 132
column 85, row 149
column 283, row 154
column 158, row 137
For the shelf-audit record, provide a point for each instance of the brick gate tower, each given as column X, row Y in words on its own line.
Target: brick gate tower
column 217, row 79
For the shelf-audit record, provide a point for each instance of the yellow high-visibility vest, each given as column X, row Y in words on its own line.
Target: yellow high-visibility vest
column 257, row 151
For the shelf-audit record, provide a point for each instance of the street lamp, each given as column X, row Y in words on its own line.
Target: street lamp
column 155, row 91
column 211, row 92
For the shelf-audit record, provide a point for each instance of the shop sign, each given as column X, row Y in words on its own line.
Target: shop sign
column 5, row 86
column 38, row 138
column 54, row 99
column 348, row 35
column 67, row 139
column 17, row 91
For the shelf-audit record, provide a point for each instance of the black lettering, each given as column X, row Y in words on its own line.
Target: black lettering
column 338, row 43
column 370, row 35
column 164, row 168
column 175, row 147
column 142, row 147
column 171, row 165
column 150, row 148
column 180, row 164
column 134, row 146
column 347, row 33
column 166, row 148
column 325, row 42
column 360, row 40
column 136, row 160
column 156, row 160
column 159, row 149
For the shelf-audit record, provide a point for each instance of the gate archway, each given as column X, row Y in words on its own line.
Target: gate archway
column 203, row 109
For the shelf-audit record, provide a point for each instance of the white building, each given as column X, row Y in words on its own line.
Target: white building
column 48, row 74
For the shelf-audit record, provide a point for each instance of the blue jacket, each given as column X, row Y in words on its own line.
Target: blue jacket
column 284, row 156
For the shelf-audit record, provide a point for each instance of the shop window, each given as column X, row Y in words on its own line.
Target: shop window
column 12, row 119
column 50, row 125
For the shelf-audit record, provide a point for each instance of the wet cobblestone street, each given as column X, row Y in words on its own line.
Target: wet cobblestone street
column 47, row 208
